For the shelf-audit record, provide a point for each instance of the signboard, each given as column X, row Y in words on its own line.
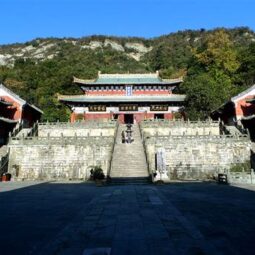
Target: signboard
column 160, row 108
column 129, row 90
column 161, row 159
column 128, row 107
column 161, row 164
column 97, row 108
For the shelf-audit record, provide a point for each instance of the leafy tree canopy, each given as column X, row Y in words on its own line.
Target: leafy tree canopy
column 216, row 65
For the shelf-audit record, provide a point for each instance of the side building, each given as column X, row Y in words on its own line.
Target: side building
column 239, row 111
column 13, row 110
column 128, row 98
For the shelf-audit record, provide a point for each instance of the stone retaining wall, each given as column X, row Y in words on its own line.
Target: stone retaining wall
column 50, row 158
column 198, row 157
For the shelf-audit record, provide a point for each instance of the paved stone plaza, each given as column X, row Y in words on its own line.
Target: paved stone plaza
column 75, row 218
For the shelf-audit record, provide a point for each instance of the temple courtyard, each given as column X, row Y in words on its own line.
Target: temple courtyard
column 81, row 218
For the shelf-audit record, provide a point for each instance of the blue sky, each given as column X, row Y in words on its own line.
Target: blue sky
column 24, row 20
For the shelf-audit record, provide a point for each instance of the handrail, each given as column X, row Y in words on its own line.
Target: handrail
column 4, row 162
column 34, row 130
column 113, row 147
column 145, row 152
column 17, row 129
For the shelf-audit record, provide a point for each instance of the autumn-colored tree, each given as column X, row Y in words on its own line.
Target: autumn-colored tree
column 218, row 51
column 211, row 75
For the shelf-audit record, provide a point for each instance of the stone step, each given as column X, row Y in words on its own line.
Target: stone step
column 130, row 181
column 129, row 159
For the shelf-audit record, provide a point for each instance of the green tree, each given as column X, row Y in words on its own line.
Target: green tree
column 205, row 92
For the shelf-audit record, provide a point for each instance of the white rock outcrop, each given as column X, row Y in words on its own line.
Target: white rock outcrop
column 139, row 47
column 115, row 46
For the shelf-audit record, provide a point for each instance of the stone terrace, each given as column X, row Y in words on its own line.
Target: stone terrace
column 76, row 218
column 62, row 151
column 194, row 150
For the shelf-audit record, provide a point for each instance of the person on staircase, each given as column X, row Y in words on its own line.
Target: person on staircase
column 123, row 136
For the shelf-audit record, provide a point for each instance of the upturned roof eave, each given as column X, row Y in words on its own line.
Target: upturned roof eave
column 9, row 121
column 119, row 81
column 6, row 103
column 128, row 83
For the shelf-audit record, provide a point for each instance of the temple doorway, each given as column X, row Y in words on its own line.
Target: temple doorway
column 128, row 118
column 115, row 116
column 158, row 116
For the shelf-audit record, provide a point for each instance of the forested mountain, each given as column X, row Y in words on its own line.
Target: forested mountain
column 216, row 64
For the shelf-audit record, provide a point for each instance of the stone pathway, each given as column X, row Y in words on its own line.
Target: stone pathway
column 77, row 218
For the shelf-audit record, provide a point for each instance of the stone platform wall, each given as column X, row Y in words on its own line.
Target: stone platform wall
column 193, row 150
column 76, row 129
column 170, row 127
column 59, row 157
column 196, row 157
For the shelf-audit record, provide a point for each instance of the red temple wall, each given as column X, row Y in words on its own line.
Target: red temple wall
column 106, row 93
column 73, row 117
column 95, row 116
column 121, row 118
column 149, row 116
column 138, row 116
column 151, row 92
column 123, row 92
column 168, row 116
column 13, row 112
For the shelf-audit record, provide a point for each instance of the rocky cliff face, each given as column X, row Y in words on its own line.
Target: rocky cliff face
column 132, row 47
column 40, row 50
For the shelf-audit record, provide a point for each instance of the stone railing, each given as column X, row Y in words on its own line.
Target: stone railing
column 77, row 129
column 146, row 154
column 241, row 177
column 112, row 150
column 166, row 127
column 17, row 129
column 35, row 140
column 81, row 124
column 163, row 122
column 158, row 139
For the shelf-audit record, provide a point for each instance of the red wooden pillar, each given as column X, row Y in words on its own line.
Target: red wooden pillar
column 121, row 118
column 73, row 117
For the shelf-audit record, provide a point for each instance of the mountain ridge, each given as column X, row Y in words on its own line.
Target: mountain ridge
column 40, row 69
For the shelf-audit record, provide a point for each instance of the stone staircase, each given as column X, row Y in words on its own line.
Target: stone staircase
column 129, row 162
column 23, row 132
column 232, row 130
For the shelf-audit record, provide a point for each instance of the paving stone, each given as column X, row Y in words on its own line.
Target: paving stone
column 50, row 219
column 97, row 251
column 130, row 247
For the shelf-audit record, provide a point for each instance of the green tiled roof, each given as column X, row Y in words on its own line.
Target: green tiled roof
column 127, row 81
column 111, row 79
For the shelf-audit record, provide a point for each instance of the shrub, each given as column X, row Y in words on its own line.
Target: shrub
column 97, row 173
